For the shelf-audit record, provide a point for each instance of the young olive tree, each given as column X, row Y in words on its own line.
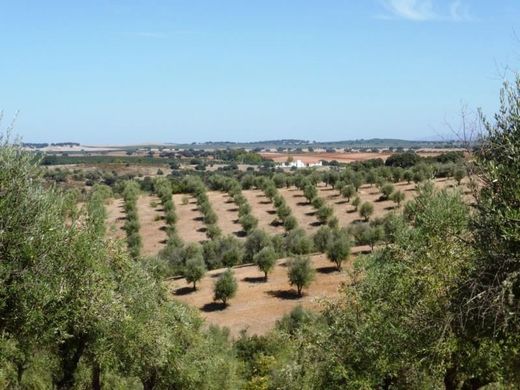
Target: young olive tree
column 225, row 287
column 265, row 260
column 194, row 270
column 300, row 272
column 366, row 210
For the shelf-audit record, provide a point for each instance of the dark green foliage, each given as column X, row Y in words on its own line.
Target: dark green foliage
column 194, row 270
column 402, row 160
column 322, row 238
column 225, row 287
column 324, row 213
column 366, row 210
column 297, row 242
column 300, row 272
column 294, row 321
column 398, row 197
column 256, row 240
column 265, row 260
column 339, row 247
column 348, row 192
column 494, row 287
column 387, row 190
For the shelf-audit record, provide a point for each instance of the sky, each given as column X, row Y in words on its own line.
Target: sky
column 137, row 71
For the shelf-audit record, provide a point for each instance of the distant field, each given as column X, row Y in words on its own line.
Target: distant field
column 342, row 157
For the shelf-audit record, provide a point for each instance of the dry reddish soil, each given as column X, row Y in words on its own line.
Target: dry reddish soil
column 116, row 218
column 190, row 225
column 258, row 304
column 227, row 212
column 152, row 231
column 263, row 209
column 314, row 157
column 302, row 210
column 344, row 157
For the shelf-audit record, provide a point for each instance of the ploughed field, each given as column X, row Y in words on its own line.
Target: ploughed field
column 257, row 304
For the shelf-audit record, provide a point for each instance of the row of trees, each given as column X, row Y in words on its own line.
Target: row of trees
column 283, row 211
column 130, row 194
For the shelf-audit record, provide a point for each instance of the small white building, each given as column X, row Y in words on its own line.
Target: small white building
column 299, row 164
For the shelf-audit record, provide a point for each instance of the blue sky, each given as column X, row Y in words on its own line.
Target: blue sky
column 107, row 71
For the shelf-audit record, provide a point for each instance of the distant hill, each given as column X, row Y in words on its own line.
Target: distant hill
column 295, row 143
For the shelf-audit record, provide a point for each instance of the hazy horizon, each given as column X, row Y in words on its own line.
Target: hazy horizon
column 130, row 72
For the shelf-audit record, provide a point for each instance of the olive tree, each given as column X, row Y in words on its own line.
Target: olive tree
column 339, row 247
column 300, row 272
column 194, row 270
column 225, row 287
column 265, row 260
column 366, row 210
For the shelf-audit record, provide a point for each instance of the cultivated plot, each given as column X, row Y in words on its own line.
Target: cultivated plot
column 264, row 211
column 227, row 212
column 152, row 230
column 302, row 210
column 116, row 218
column 190, row 226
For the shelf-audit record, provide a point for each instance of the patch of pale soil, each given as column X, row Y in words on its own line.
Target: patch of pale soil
column 259, row 304
column 227, row 212
column 264, row 211
column 190, row 225
column 152, row 231
column 115, row 219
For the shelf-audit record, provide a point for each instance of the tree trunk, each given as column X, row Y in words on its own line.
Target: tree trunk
column 149, row 383
column 194, row 286
column 265, row 275
column 450, row 378
column 70, row 353
column 299, row 291
column 96, row 376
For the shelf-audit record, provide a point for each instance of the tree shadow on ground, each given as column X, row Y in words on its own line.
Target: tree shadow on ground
column 341, row 202
column 233, row 210
column 283, row 294
column 271, row 212
column 240, row 234
column 202, row 230
column 265, row 202
column 254, row 279
column 317, row 223
column 184, row 290
column 213, row 306
column 327, row 269
column 198, row 218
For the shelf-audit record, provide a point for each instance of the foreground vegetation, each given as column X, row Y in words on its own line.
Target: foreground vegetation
column 435, row 306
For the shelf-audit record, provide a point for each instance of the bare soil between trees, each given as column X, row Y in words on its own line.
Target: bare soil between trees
column 259, row 304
